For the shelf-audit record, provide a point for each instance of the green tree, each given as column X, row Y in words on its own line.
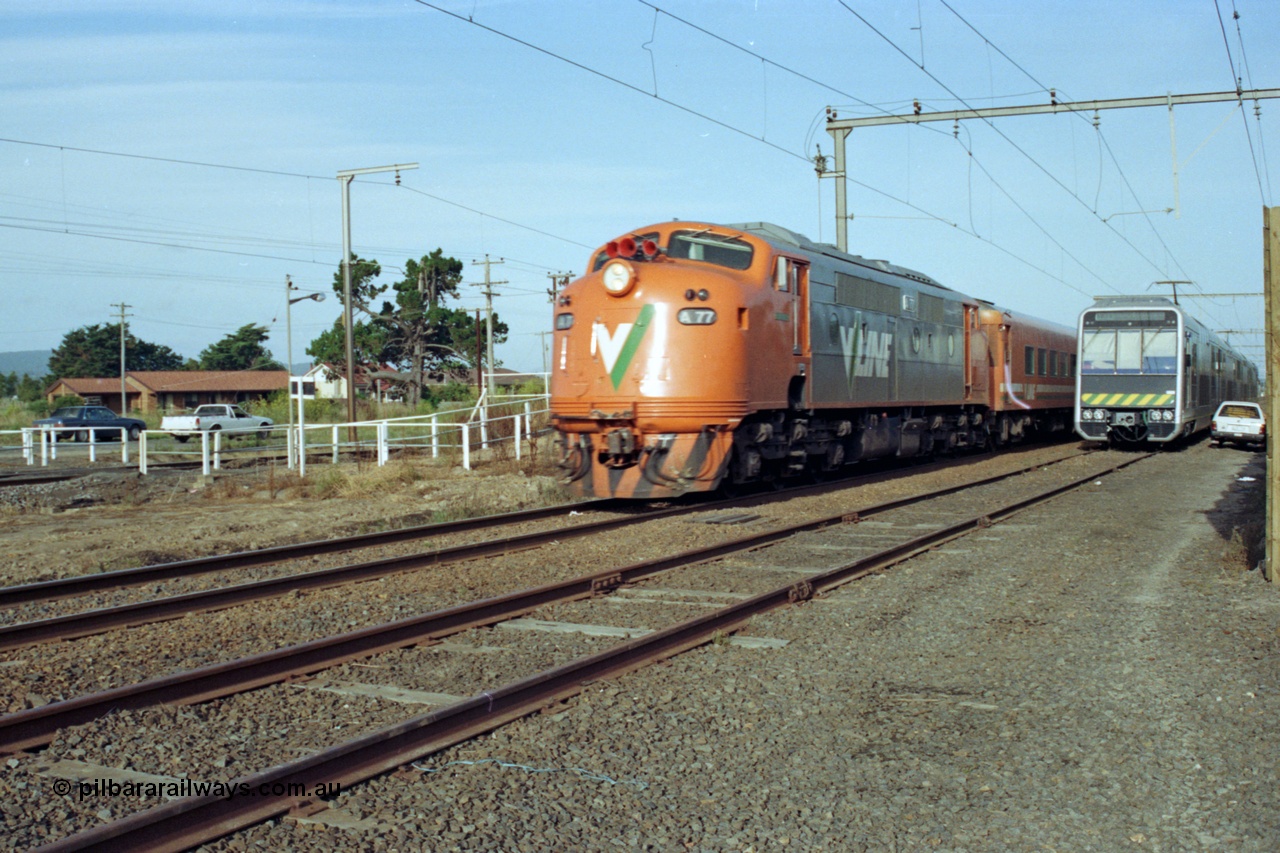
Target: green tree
column 29, row 390
column 414, row 330
column 9, row 384
column 369, row 340
column 95, row 351
column 240, row 350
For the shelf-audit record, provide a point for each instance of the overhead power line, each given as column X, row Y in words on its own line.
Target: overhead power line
column 173, row 160
column 933, row 216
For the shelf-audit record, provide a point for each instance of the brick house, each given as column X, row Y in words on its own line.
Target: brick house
column 171, row 390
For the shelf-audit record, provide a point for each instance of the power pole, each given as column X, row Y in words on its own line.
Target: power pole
column 542, row 339
column 559, row 281
column 346, row 177
column 839, row 128
column 124, row 394
column 479, row 361
column 488, row 321
column 416, row 375
column 1271, row 286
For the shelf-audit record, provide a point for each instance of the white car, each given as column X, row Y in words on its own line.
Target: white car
column 1238, row 422
column 215, row 417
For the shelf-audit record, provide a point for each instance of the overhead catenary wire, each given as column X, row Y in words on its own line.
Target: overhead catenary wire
column 1102, row 141
column 1235, row 81
column 802, row 156
column 1002, row 135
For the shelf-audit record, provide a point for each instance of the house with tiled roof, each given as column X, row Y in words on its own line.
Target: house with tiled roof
column 172, row 390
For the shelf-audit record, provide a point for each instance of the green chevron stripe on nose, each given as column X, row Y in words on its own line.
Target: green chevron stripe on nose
column 630, row 346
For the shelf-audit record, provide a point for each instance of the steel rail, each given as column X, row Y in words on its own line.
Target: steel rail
column 70, row 587
column 186, row 823
column 59, row 588
column 21, row 477
column 38, row 726
column 97, row 621
column 89, row 622
column 100, row 620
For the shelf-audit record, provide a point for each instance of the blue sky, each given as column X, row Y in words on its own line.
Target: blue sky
column 182, row 158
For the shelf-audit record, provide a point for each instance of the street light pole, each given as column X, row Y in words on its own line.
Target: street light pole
column 289, row 299
column 345, row 177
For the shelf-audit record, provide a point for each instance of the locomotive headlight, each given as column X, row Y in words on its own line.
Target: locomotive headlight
column 618, row 277
column 1086, row 415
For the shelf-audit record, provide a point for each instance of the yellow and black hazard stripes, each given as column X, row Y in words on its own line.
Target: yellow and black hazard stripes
column 1127, row 400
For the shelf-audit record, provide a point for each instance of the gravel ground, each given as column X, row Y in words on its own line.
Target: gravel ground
column 52, row 672
column 1091, row 676
column 1095, row 674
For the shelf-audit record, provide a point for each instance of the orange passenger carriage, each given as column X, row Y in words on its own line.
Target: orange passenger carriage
column 693, row 355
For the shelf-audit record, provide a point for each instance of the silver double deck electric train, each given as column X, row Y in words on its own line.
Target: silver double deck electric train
column 1149, row 372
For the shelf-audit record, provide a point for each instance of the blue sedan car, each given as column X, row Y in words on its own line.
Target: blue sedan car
column 76, row 421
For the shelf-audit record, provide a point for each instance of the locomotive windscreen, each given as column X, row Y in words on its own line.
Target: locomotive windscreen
column 713, row 248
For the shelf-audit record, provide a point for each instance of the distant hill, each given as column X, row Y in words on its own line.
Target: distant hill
column 33, row 362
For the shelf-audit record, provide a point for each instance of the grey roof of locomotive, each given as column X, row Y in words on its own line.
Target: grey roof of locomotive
column 778, row 234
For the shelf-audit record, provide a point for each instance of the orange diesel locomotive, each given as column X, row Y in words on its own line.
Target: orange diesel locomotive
column 693, row 355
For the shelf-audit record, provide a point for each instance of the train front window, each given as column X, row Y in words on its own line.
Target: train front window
column 1098, row 352
column 711, row 248
column 1160, row 351
column 1129, row 342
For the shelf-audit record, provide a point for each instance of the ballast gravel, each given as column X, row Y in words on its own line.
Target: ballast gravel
column 1098, row 673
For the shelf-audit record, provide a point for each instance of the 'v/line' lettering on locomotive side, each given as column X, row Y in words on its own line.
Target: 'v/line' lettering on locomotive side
column 865, row 355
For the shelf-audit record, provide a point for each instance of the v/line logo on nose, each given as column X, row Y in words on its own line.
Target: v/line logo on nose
column 617, row 348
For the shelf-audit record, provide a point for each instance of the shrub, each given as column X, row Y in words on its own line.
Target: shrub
column 67, row 400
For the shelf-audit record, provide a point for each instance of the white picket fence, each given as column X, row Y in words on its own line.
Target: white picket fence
column 461, row 431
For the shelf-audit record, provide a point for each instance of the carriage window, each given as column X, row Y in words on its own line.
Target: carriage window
column 1030, row 366
column 1043, row 363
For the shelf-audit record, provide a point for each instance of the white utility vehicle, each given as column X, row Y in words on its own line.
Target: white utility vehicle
column 1238, row 422
column 216, row 417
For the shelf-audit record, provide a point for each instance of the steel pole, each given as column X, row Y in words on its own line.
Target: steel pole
column 288, row 337
column 346, row 304
column 1271, row 287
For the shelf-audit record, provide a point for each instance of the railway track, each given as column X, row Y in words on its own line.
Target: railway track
column 388, row 748
column 33, row 627
column 20, row 477
column 34, row 727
